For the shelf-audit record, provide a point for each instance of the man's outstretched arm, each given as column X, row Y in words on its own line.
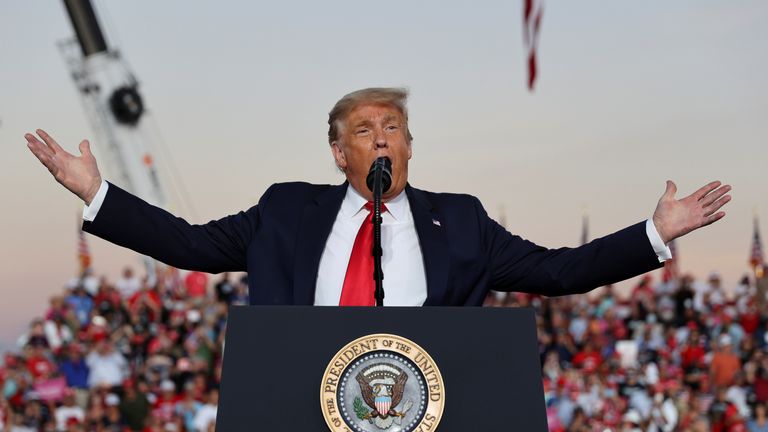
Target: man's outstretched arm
column 520, row 265
column 130, row 222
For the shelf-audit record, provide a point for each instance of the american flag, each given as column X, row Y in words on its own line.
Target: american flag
column 83, row 253
column 756, row 253
column 532, row 12
column 671, row 270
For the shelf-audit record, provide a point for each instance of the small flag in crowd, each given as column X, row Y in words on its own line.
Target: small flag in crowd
column 83, row 253
column 532, row 12
column 756, row 259
column 671, row 270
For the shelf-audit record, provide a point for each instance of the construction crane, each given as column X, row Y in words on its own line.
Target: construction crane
column 114, row 106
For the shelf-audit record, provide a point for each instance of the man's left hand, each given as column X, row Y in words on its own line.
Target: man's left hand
column 674, row 218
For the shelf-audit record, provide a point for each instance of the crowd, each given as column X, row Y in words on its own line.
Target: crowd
column 142, row 355
column 676, row 356
column 128, row 356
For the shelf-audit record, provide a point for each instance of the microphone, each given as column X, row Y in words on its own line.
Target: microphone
column 379, row 180
column 384, row 166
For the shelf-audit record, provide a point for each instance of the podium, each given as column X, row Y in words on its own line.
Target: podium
column 393, row 369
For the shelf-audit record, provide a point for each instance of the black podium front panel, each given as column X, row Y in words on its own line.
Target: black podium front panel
column 275, row 358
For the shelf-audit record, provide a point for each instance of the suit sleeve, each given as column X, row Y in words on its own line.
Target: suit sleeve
column 519, row 265
column 217, row 246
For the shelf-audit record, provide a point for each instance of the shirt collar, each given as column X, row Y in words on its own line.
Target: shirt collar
column 354, row 202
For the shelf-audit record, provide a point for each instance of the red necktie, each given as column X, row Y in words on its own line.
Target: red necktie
column 358, row 283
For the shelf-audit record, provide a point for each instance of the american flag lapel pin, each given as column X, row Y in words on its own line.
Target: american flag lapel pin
column 436, row 222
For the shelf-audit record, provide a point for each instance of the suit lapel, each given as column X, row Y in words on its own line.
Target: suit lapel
column 434, row 245
column 314, row 229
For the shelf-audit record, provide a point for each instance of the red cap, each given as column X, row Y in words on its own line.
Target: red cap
column 10, row 360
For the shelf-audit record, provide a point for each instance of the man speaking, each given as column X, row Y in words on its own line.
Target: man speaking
column 307, row 244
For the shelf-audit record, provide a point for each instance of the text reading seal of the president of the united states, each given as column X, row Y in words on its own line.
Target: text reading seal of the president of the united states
column 382, row 382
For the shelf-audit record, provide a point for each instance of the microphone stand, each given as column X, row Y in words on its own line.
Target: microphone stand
column 378, row 273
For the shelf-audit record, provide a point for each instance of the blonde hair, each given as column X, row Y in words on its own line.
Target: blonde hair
column 396, row 97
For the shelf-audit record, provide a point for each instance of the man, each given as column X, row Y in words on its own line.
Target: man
column 107, row 366
column 724, row 364
column 68, row 410
column 128, row 284
column 206, row 415
column 298, row 243
column 134, row 407
column 81, row 303
column 76, row 371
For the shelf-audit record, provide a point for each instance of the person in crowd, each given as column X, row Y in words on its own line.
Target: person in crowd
column 725, row 363
column 39, row 363
column 134, row 406
column 107, row 366
column 664, row 414
column 225, row 289
column 187, row 407
column 165, row 405
column 81, row 303
column 68, row 410
column 128, row 284
column 206, row 415
column 74, row 368
column 112, row 420
column 760, row 422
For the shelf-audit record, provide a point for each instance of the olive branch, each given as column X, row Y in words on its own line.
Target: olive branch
column 360, row 410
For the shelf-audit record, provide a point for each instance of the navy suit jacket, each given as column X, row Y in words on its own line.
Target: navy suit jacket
column 279, row 243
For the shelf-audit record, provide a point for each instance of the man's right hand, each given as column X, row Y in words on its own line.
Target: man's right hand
column 80, row 175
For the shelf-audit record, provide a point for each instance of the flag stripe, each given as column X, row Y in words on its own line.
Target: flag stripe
column 532, row 13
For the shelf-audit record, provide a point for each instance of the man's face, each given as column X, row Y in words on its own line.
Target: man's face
column 371, row 131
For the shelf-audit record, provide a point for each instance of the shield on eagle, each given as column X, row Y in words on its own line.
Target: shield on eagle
column 382, row 386
column 383, row 403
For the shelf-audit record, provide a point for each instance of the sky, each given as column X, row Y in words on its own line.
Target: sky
column 629, row 94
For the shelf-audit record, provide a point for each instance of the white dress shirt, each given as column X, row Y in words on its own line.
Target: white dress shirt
column 405, row 281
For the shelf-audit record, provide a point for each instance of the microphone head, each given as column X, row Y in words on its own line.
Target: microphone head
column 385, row 166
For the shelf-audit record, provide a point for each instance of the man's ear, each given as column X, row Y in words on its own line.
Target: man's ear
column 338, row 155
column 409, row 140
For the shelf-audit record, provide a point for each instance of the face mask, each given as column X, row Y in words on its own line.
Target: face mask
column 10, row 388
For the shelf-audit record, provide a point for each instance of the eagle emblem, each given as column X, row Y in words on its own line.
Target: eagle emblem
column 382, row 383
column 381, row 386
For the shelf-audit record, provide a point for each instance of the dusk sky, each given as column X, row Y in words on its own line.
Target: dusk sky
column 630, row 94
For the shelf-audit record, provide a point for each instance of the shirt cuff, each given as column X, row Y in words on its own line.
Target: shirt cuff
column 90, row 211
column 662, row 251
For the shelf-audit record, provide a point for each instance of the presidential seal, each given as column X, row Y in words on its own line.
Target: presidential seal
column 382, row 382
